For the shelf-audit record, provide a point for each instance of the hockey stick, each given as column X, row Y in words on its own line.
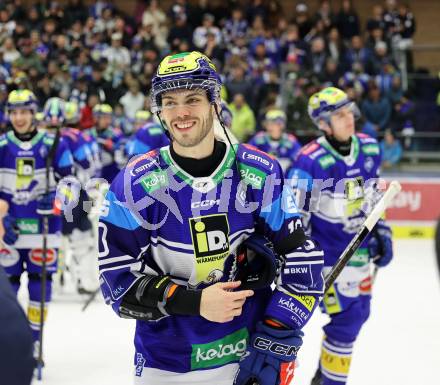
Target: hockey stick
column 95, row 219
column 90, row 299
column 360, row 236
column 49, row 160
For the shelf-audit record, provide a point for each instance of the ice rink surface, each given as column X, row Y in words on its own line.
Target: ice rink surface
column 400, row 344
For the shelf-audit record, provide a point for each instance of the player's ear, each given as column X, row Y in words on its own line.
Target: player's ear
column 323, row 125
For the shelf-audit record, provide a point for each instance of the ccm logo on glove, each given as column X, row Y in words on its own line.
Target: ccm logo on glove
column 275, row 347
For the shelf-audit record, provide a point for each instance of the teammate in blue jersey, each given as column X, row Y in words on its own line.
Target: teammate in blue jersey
column 146, row 137
column 110, row 140
column 275, row 141
column 191, row 237
column 23, row 153
column 336, row 181
column 76, row 224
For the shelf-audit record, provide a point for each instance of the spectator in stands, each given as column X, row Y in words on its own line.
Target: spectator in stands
column 200, row 35
column 302, row 20
column 294, row 50
column 357, row 53
column 243, row 118
column 377, row 108
column 391, row 150
column 255, row 9
column 87, row 120
column 390, row 17
column 318, row 56
column 331, row 75
column 214, row 50
column 380, row 60
column 28, row 59
column 335, row 45
column 238, row 83
column 179, row 10
column 404, row 113
column 347, row 21
column 133, row 100
column 180, row 31
column 75, row 11
column 118, row 56
column 80, row 92
column 325, row 15
column 236, row 26
column 98, row 85
column 395, row 91
column 198, row 11
column 156, row 17
column 376, row 20
column 260, row 64
column 10, row 53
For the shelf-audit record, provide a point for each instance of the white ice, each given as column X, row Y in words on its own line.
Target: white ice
column 400, row 343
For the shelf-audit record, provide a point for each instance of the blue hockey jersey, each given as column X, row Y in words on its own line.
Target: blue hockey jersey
column 109, row 142
column 284, row 149
column 147, row 138
column 333, row 192
column 23, row 181
column 159, row 220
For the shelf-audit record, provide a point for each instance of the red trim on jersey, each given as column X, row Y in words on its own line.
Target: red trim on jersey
column 308, row 149
column 149, row 154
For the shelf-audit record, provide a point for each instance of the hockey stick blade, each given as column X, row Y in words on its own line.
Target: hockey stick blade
column 90, row 299
column 366, row 228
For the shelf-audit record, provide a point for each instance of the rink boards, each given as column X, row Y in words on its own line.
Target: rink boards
column 416, row 209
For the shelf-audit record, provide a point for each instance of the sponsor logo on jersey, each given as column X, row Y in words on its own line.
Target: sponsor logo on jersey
column 315, row 154
column 210, row 238
column 205, row 204
column 154, row 181
column 28, row 225
column 203, row 185
column 293, row 307
column 251, row 175
column 370, row 149
column 142, row 168
column 353, row 171
column 327, row 161
column 155, row 131
column 140, row 361
column 359, row 259
column 25, row 168
column 8, row 257
column 220, row 352
column 257, row 158
column 36, row 256
column 368, row 164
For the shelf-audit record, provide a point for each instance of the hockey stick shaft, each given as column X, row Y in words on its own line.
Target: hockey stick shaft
column 49, row 159
column 360, row 236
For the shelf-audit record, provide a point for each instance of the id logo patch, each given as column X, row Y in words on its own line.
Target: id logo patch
column 25, row 168
column 210, row 238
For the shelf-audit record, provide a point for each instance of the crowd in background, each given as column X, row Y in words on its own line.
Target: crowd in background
column 97, row 53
